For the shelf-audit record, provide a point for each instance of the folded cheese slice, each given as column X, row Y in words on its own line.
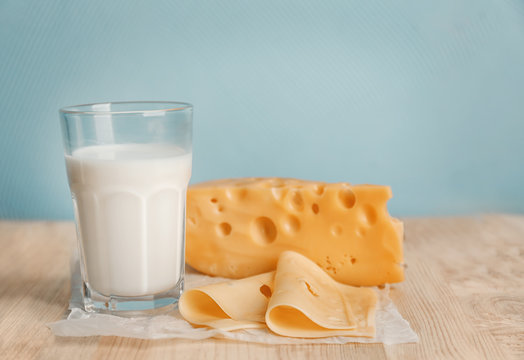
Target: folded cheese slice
column 299, row 300
column 238, row 228
column 232, row 305
column 310, row 304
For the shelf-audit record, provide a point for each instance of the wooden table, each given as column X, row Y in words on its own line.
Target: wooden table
column 464, row 296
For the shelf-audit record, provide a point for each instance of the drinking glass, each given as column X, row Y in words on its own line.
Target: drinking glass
column 128, row 166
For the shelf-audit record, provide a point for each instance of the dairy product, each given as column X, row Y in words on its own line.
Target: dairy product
column 129, row 202
column 239, row 227
column 308, row 303
column 298, row 300
column 231, row 305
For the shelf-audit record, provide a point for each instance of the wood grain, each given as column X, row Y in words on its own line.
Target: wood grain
column 464, row 296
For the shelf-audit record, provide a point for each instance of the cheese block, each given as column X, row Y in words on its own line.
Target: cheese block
column 298, row 300
column 308, row 303
column 239, row 227
column 238, row 304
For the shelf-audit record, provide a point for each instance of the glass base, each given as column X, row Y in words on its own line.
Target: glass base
column 129, row 306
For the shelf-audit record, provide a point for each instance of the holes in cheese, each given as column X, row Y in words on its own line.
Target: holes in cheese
column 291, row 224
column 295, row 200
column 270, row 215
column 224, row 229
column 266, row 291
column 336, row 230
column 315, row 208
column 368, row 215
column 236, row 193
column 298, row 300
column 347, row 198
column 310, row 289
column 319, row 189
column 263, row 230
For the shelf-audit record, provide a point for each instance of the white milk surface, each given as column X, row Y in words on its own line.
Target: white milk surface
column 130, row 202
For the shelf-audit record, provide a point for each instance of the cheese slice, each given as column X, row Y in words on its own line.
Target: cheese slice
column 239, row 227
column 308, row 303
column 238, row 304
column 299, row 300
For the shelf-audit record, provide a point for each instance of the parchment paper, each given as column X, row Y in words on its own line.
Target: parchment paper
column 391, row 327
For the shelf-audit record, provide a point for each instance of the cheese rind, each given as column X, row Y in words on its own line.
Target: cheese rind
column 239, row 227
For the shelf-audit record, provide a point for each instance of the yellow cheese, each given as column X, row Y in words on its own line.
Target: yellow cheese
column 239, row 227
column 232, row 305
column 308, row 303
column 298, row 300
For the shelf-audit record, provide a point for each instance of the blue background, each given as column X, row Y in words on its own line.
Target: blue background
column 426, row 96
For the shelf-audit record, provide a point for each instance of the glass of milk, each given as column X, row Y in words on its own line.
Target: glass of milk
column 128, row 165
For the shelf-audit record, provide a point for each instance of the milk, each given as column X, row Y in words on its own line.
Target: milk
column 130, row 203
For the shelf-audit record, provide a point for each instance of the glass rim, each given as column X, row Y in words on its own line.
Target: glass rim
column 170, row 106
